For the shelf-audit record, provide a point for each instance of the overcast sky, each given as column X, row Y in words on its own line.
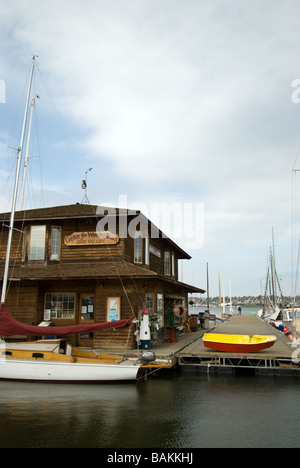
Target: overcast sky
column 176, row 101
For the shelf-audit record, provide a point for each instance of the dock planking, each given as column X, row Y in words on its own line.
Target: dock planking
column 278, row 358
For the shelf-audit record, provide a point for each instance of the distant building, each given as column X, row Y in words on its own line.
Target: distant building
column 62, row 270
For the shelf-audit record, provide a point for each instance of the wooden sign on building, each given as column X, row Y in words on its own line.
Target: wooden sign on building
column 91, row 238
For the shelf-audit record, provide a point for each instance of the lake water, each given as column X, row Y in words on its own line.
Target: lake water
column 171, row 410
column 168, row 411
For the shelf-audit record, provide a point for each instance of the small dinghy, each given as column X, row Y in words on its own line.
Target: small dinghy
column 238, row 343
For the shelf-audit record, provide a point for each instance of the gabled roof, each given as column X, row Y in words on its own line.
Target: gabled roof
column 79, row 210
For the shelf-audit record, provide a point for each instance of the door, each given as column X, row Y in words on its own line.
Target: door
column 87, row 302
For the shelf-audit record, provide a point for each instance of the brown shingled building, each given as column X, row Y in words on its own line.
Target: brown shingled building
column 62, row 270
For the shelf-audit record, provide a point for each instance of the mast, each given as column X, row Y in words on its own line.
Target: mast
column 207, row 280
column 15, row 192
column 27, row 151
column 274, row 286
column 230, row 300
column 220, row 296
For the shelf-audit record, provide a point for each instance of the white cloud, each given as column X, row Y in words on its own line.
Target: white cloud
column 176, row 100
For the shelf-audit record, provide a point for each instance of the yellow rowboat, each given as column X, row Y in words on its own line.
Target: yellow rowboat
column 238, row 343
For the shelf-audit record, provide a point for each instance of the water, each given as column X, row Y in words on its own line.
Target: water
column 216, row 310
column 178, row 410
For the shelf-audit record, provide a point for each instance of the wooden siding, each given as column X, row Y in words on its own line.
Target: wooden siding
column 123, row 250
column 99, row 270
column 22, row 299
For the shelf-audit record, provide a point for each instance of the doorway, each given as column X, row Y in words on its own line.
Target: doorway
column 87, row 304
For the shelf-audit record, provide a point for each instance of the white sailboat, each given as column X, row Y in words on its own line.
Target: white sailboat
column 273, row 310
column 223, row 305
column 54, row 360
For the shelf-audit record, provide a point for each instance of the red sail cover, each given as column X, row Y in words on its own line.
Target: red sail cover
column 9, row 326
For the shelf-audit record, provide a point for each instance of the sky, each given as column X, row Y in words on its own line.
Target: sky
column 186, row 109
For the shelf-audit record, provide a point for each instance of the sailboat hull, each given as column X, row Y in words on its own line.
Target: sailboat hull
column 48, row 371
column 57, row 361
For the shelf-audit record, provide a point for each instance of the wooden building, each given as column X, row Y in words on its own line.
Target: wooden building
column 63, row 271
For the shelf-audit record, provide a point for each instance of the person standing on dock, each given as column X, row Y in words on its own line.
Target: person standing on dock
column 239, row 310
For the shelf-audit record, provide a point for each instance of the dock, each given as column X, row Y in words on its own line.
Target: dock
column 273, row 361
column 189, row 354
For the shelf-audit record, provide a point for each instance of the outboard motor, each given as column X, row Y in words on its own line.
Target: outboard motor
column 148, row 356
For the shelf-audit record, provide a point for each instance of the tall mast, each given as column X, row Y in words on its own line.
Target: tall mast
column 207, row 280
column 220, row 296
column 15, row 192
column 274, row 271
column 27, row 152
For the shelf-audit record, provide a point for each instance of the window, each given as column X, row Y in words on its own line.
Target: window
column 55, row 243
column 37, row 243
column 150, row 303
column 87, row 308
column 61, row 305
column 167, row 263
column 170, row 264
column 173, row 264
column 138, row 251
column 147, row 250
column 141, row 248
column 160, row 310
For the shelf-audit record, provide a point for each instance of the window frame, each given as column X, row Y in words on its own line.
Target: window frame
column 60, row 300
column 149, row 301
column 34, row 247
column 55, row 256
column 167, row 263
column 138, row 249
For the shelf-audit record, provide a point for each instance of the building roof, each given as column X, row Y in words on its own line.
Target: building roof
column 99, row 270
column 79, row 210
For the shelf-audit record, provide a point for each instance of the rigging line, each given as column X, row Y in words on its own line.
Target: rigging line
column 6, row 188
column 145, row 376
column 294, row 229
column 133, row 282
column 16, row 257
column 128, row 300
column 298, row 152
column 121, row 281
column 58, row 117
column 296, row 275
column 123, row 286
column 37, row 153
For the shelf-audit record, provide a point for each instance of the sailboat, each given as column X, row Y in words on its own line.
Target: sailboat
column 223, row 313
column 273, row 310
column 55, row 360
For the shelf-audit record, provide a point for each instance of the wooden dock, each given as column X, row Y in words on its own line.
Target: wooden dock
column 275, row 360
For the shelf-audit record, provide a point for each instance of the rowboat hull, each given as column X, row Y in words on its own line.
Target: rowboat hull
column 238, row 343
